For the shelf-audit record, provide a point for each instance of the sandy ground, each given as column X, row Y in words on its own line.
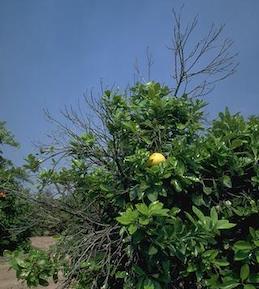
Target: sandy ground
column 7, row 277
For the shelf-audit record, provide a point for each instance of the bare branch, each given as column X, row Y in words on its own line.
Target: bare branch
column 200, row 65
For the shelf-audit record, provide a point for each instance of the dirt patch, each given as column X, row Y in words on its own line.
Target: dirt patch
column 7, row 277
column 42, row 242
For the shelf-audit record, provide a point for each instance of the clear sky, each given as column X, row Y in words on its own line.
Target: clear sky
column 51, row 51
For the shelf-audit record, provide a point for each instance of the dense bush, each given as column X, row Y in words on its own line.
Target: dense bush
column 35, row 266
column 14, row 227
column 190, row 221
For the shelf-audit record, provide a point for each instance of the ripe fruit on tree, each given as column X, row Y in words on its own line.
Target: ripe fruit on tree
column 2, row 194
column 155, row 159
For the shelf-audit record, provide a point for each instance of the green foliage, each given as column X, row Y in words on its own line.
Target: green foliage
column 14, row 227
column 189, row 222
column 6, row 137
column 35, row 267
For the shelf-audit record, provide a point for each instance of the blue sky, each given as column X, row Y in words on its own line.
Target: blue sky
column 51, row 51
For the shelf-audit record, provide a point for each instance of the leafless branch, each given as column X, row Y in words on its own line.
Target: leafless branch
column 200, row 65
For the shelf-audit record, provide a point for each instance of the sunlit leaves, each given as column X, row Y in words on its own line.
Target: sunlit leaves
column 142, row 215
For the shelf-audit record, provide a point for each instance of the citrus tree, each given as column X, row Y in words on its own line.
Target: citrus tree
column 149, row 194
column 154, row 197
column 14, row 229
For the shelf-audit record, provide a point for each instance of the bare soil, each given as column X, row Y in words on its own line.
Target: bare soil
column 7, row 276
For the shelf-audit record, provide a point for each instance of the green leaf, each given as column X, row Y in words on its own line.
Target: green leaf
column 140, row 283
column 227, row 181
column 221, row 263
column 132, row 229
column 244, row 272
column 144, row 221
column 21, row 263
column 257, row 256
column 207, row 190
column 241, row 255
column 152, row 250
column 176, row 185
column 190, row 218
column 212, row 282
column 191, row 268
column 128, row 217
column 7, row 253
column 167, row 175
column 156, row 209
column 211, row 254
column 193, row 179
column 242, row 245
column 148, row 284
column 198, row 213
column 224, row 224
column 120, row 274
column 42, row 262
column 229, row 285
column 138, row 270
column 214, row 215
column 252, row 232
column 174, row 211
column 180, row 169
column 198, row 200
column 249, row 286
column 237, row 143
column 143, row 209
column 152, row 196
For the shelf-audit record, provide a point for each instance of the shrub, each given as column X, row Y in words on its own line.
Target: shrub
column 14, row 226
column 188, row 222
column 34, row 265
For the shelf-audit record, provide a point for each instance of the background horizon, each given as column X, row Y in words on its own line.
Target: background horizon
column 52, row 51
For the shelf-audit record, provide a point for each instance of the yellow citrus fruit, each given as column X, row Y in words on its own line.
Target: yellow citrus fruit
column 155, row 159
